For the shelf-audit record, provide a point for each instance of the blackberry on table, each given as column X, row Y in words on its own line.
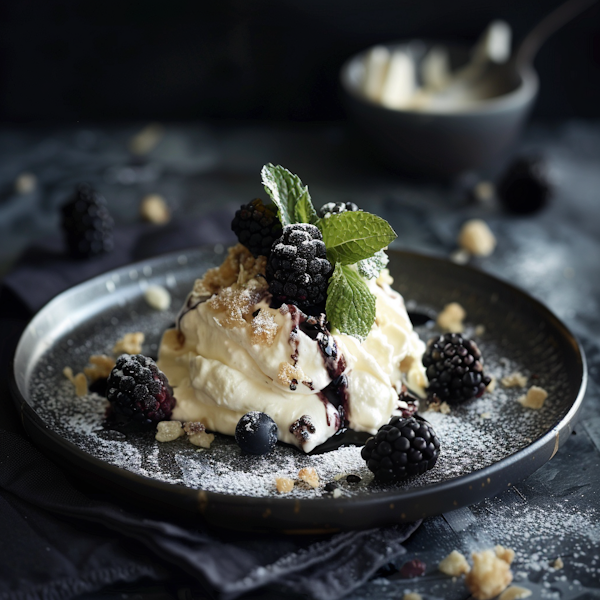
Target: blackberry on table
column 525, row 186
column 297, row 268
column 256, row 433
column 402, row 448
column 257, row 227
column 335, row 208
column 87, row 224
column 139, row 393
column 454, row 369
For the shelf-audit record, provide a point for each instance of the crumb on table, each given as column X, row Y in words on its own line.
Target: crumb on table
column 476, row 237
column 79, row 381
column 535, row 398
column 154, row 209
column 454, row 564
column 516, row 379
column 158, row 297
column 309, row 476
column 284, row 485
column 167, row 431
column 130, row 343
column 451, row 318
column 489, row 576
column 102, row 365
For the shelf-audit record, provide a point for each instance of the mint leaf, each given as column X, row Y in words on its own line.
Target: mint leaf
column 353, row 236
column 304, row 210
column 289, row 195
column 350, row 305
column 371, row 267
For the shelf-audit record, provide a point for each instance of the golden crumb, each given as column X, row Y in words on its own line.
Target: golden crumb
column 25, row 183
column 489, row 576
column 451, row 318
column 236, row 302
column 491, row 386
column 535, row 398
column 264, row 328
column 284, row 485
column 290, row 376
column 515, row 379
column 454, row 564
column 479, row 330
column 101, row 368
column 558, row 563
column 154, row 209
column 514, row 592
column 309, row 476
column 505, row 554
column 412, row 596
column 167, row 431
column 239, row 261
column 476, row 238
column 158, row 297
column 79, row 381
column 202, row 439
column 130, row 343
column 146, row 139
column 445, row 408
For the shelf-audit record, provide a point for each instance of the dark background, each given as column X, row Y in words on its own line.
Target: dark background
column 89, row 60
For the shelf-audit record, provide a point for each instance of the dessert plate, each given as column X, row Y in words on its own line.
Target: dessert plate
column 488, row 444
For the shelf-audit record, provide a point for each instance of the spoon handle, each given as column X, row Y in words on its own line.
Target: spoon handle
column 546, row 27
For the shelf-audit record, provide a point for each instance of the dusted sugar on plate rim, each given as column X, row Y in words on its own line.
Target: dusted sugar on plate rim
column 311, row 334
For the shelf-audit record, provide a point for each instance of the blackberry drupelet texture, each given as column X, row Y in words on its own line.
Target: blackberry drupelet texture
column 87, row 224
column 297, row 268
column 335, row 208
column 139, row 393
column 525, row 186
column 257, row 227
column 454, row 369
column 402, row 448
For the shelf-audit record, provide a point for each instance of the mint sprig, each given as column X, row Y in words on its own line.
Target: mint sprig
column 353, row 236
column 289, row 195
column 350, row 306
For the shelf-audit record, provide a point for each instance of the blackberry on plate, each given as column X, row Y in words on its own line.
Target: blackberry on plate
column 454, row 369
column 335, row 208
column 297, row 268
column 402, row 448
column 87, row 224
column 256, row 433
column 525, row 186
column 257, row 226
column 139, row 393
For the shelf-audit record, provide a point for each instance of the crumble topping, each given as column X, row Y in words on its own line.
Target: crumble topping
column 101, row 368
column 167, row 431
column 240, row 263
column 154, row 209
column 535, row 398
column 476, row 238
column 452, row 317
column 202, row 439
column 454, row 564
column 290, row 375
column 130, row 343
column 284, row 485
column 516, row 379
column 158, row 297
column 514, row 592
column 236, row 302
column 79, row 381
column 309, row 476
column 489, row 576
column 264, row 328
column 505, row 554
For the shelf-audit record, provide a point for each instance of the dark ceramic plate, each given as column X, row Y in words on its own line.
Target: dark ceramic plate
column 487, row 444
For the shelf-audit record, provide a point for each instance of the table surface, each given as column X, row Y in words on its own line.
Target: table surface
column 553, row 254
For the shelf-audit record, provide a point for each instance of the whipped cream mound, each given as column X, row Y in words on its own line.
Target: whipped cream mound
column 232, row 353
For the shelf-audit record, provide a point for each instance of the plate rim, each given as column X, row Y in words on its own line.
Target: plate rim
column 272, row 513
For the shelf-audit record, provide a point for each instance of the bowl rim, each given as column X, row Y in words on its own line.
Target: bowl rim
column 520, row 96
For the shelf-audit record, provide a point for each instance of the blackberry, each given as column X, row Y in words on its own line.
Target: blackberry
column 298, row 269
column 87, row 224
column 256, row 433
column 454, row 369
column 402, row 448
column 257, row 227
column 139, row 393
column 335, row 208
column 525, row 186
